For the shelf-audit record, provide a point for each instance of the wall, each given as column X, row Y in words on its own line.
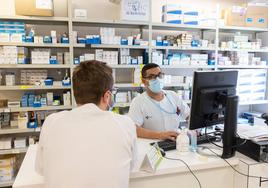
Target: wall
column 103, row 9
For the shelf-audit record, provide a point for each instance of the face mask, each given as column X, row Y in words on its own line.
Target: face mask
column 111, row 103
column 156, row 85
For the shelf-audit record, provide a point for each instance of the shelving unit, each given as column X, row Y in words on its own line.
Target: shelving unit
column 26, row 87
column 13, row 151
column 44, row 108
column 18, row 131
column 150, row 27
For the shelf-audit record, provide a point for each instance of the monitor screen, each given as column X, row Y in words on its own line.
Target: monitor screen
column 207, row 107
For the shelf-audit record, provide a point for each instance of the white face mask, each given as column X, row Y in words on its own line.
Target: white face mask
column 156, row 85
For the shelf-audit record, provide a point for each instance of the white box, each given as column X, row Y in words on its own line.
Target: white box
column 20, row 143
column 16, row 37
column 5, row 143
column 49, row 98
column 4, row 37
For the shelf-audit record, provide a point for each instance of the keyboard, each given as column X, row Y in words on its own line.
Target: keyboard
column 168, row 145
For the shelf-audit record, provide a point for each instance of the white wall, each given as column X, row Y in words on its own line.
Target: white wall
column 103, row 9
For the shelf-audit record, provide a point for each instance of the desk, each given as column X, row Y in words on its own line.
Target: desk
column 211, row 171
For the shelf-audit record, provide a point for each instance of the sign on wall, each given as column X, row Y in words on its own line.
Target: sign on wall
column 135, row 10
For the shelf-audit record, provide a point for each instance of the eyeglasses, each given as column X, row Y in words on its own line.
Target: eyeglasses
column 114, row 90
column 153, row 76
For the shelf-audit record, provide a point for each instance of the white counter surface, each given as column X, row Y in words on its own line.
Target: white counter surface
column 28, row 178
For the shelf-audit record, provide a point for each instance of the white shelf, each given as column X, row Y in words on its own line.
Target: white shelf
column 7, row 183
column 26, row 87
column 128, row 85
column 78, row 45
column 109, row 22
column 25, row 44
column 125, row 66
column 253, row 102
column 180, row 26
column 32, row 18
column 118, row 46
column 44, row 108
column 245, row 50
column 182, row 48
column 235, row 28
column 34, row 66
column 13, row 151
column 187, row 67
column 17, row 131
column 242, row 67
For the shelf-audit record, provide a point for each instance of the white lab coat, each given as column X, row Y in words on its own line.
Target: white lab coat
column 165, row 115
column 86, row 148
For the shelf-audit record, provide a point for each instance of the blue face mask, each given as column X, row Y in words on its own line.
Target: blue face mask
column 111, row 103
column 156, row 85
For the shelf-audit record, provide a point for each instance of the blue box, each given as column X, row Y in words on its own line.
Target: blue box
column 47, row 39
column 159, row 43
column 64, row 40
column 29, row 39
column 32, row 125
column 165, row 43
column 49, row 82
column 53, row 61
column 124, row 42
column 81, row 40
column 134, row 61
column 76, row 61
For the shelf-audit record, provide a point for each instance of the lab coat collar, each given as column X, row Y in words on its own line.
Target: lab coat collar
column 90, row 107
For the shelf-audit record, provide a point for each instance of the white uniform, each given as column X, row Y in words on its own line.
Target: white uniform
column 86, row 147
column 158, row 116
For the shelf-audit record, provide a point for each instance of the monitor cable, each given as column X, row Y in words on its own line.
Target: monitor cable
column 261, row 179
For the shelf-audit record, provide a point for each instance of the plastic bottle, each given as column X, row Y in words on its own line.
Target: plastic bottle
column 193, row 140
column 183, row 142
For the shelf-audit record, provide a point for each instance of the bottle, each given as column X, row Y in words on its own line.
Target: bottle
column 193, row 140
column 183, row 142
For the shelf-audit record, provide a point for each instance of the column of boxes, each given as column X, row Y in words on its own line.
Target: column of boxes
column 252, row 85
column 40, row 56
column 7, row 168
column 108, row 36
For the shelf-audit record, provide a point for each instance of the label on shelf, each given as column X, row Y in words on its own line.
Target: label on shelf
column 25, row 87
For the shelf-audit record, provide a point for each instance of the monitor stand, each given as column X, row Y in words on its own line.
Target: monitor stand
column 230, row 126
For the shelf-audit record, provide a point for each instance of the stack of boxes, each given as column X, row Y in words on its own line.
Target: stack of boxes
column 12, row 32
column 40, row 56
column 252, row 85
column 13, row 55
column 249, row 16
column 185, row 40
column 183, row 14
column 108, row 36
column 110, row 57
column 126, row 59
column 7, row 168
column 30, row 77
column 241, row 42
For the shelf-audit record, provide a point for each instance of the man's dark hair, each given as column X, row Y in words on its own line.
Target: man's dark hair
column 147, row 67
column 91, row 79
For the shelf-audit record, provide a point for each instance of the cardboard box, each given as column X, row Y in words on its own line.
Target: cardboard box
column 257, row 16
column 235, row 16
column 34, row 7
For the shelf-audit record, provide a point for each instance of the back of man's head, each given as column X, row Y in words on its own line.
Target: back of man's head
column 91, row 79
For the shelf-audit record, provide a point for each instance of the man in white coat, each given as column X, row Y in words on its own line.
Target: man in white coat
column 88, row 146
column 157, row 113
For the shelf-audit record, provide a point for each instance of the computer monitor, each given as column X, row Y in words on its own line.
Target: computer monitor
column 214, row 101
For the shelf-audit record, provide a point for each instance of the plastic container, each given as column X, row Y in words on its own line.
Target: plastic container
column 183, row 142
